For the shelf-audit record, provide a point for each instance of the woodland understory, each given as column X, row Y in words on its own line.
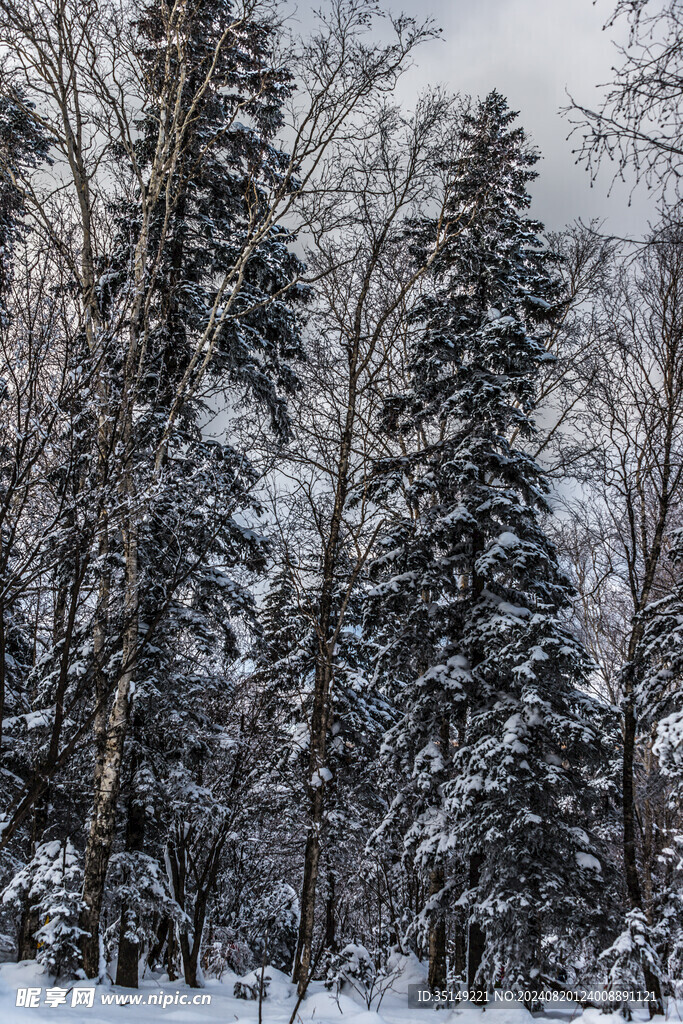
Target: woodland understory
column 341, row 510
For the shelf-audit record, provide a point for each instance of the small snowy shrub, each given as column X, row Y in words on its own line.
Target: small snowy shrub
column 52, row 883
column 249, row 987
column 274, row 923
column 627, row 956
column 225, row 952
column 354, row 968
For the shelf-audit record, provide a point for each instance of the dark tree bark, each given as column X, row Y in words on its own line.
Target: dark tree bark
column 476, row 939
column 460, row 951
column 30, row 922
column 330, row 911
column 204, row 878
column 630, row 854
column 129, row 949
column 437, row 878
column 437, row 936
column 162, row 935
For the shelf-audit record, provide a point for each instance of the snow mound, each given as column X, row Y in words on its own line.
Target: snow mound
column 408, row 971
column 587, row 860
column 325, row 1006
column 278, row 987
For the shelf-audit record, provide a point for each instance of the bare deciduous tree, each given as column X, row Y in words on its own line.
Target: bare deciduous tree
column 326, row 519
column 639, row 125
column 630, row 492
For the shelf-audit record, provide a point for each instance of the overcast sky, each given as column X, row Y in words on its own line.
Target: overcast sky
column 534, row 52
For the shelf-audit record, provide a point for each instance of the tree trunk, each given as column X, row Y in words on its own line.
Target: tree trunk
column 316, row 795
column 101, row 836
column 476, row 939
column 3, row 667
column 129, row 949
column 103, row 820
column 330, row 909
column 190, row 940
column 437, row 878
column 437, row 935
column 30, row 922
column 460, row 957
column 191, row 951
column 189, row 961
column 29, row 925
column 630, row 856
column 172, row 953
column 100, row 631
column 162, row 935
column 630, row 859
column 304, row 948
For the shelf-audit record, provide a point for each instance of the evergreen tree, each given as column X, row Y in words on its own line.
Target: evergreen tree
column 52, row 882
column 660, row 711
column 22, row 146
column 195, row 549
column 630, row 955
column 496, row 734
column 658, row 699
column 220, row 188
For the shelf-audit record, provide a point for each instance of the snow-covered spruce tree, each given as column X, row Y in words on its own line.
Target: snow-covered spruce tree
column 495, row 736
column 193, row 536
column 659, row 709
column 197, row 492
column 666, row 931
column 658, row 700
column 51, row 882
column 220, row 187
column 22, row 146
column 628, row 956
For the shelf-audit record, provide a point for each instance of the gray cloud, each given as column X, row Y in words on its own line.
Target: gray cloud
column 534, row 52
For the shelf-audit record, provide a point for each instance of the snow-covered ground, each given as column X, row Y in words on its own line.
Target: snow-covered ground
column 111, row 1004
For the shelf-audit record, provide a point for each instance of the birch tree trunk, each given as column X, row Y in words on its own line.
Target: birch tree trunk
column 103, row 820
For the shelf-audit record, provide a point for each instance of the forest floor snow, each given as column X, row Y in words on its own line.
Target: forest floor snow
column 108, row 1004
